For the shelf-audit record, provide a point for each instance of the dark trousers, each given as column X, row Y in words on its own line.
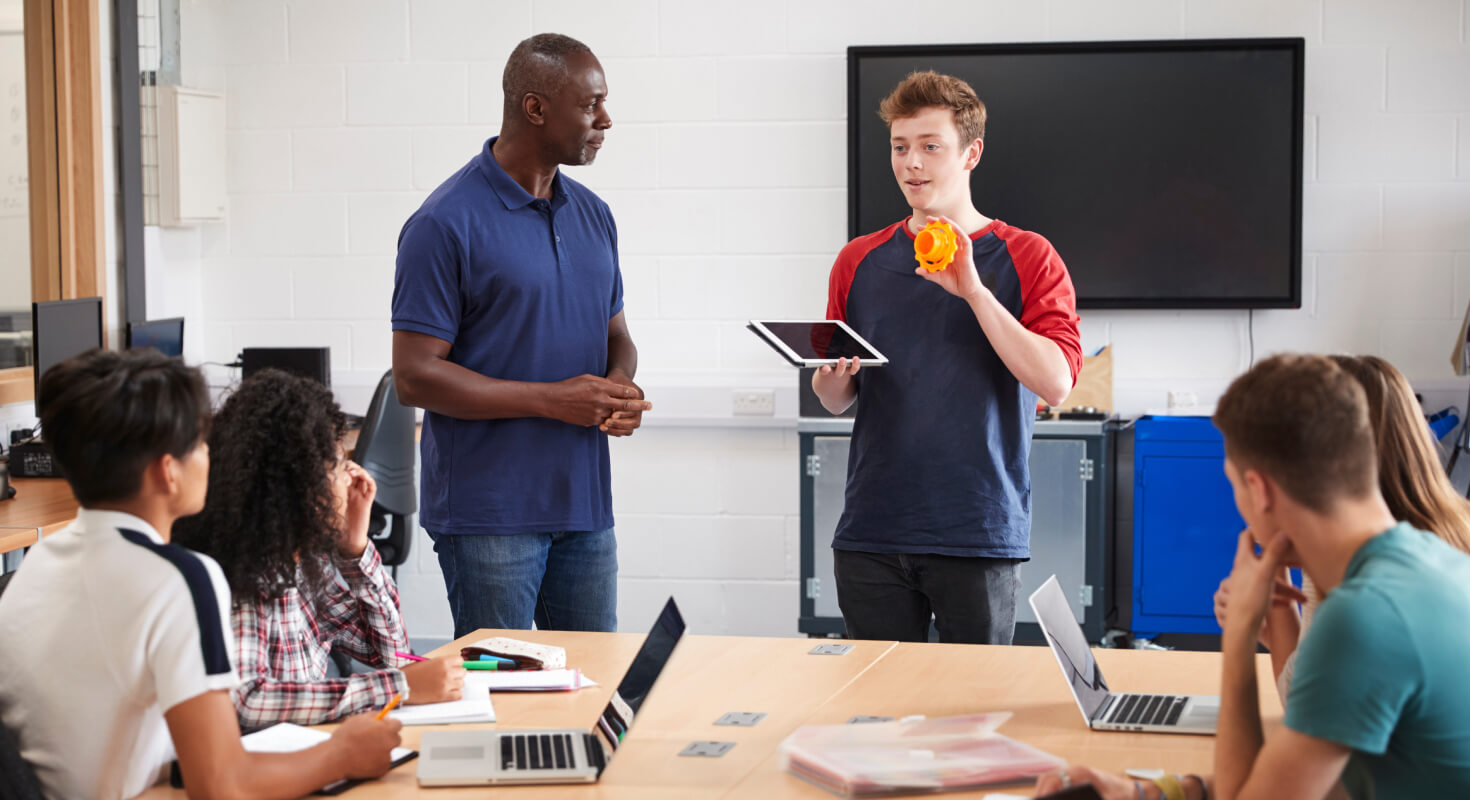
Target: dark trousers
column 883, row 596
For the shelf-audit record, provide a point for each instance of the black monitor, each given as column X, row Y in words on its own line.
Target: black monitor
column 61, row 329
column 308, row 362
column 1168, row 174
column 164, row 335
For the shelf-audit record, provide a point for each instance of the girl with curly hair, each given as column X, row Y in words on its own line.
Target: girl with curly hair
column 286, row 517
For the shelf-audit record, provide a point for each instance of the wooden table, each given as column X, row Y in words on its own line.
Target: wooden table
column 710, row 675
column 41, row 507
column 940, row 680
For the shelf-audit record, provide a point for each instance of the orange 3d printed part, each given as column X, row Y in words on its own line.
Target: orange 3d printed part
column 934, row 246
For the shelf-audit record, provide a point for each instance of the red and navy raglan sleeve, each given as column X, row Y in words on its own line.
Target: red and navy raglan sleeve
column 840, row 281
column 1048, row 300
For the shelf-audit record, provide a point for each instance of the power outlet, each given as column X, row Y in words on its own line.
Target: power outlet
column 755, row 403
column 1182, row 399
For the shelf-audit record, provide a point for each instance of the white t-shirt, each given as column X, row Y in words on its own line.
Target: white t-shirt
column 102, row 630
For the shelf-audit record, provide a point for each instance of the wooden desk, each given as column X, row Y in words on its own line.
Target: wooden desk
column 947, row 680
column 41, row 505
column 710, row 675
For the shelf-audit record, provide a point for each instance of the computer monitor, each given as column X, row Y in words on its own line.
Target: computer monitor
column 61, row 329
column 308, row 362
column 164, row 335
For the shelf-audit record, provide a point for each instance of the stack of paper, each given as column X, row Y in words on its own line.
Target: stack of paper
column 538, row 680
column 474, row 706
column 933, row 755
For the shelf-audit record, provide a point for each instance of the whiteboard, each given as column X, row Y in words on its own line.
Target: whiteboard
column 14, row 192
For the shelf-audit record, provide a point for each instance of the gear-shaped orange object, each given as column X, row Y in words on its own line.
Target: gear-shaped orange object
column 934, row 246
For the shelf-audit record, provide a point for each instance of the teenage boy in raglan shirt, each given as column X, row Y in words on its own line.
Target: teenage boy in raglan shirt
column 938, row 512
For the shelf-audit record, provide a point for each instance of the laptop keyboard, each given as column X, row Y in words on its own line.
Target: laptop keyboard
column 1147, row 709
column 536, row 751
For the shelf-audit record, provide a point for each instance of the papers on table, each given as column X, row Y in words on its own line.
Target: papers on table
column 475, row 705
column 288, row 738
column 912, row 755
column 539, row 680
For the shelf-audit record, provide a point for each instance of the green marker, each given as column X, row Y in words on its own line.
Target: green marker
column 492, row 665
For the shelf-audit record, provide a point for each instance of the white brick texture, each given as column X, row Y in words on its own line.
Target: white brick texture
column 726, row 169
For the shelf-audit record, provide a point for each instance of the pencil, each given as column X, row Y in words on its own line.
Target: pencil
column 389, row 707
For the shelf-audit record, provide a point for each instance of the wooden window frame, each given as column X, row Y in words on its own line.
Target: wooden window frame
column 64, row 136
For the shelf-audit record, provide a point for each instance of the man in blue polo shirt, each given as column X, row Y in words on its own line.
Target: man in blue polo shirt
column 508, row 331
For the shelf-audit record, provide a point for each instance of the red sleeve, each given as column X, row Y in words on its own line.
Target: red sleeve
column 845, row 267
column 1048, row 301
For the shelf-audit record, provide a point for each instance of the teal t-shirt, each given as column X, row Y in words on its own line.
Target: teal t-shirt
column 1385, row 669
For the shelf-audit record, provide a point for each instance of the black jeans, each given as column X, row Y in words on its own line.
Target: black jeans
column 882, row 596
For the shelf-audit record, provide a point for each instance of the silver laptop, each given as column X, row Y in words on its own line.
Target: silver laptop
column 479, row 758
column 1113, row 711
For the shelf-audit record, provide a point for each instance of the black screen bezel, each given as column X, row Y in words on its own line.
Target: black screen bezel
column 1294, row 45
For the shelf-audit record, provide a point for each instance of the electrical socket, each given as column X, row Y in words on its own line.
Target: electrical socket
column 755, row 403
column 1179, row 398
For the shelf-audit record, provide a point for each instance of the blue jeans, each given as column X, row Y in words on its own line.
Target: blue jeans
column 564, row 581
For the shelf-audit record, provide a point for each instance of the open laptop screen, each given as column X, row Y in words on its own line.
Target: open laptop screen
column 1070, row 646
column 617, row 718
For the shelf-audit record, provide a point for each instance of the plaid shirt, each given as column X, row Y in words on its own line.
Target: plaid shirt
column 283, row 647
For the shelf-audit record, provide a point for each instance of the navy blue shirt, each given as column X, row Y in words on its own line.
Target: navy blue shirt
column 522, row 289
column 942, row 438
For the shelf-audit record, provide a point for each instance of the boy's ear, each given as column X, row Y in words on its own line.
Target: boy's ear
column 1263, row 491
column 166, row 474
column 972, row 153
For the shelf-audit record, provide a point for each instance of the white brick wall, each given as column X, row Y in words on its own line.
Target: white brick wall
column 725, row 168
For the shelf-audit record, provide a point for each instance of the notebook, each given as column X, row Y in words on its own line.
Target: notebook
column 474, row 705
column 547, row 680
column 286, row 737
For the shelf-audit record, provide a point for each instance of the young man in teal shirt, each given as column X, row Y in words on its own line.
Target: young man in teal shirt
column 1379, row 705
column 1379, row 699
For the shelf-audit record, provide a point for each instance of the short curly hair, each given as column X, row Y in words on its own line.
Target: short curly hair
column 930, row 89
column 271, row 509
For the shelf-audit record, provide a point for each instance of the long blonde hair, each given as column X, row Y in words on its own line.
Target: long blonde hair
column 1410, row 476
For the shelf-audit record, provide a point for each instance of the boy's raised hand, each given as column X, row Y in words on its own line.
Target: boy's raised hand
column 960, row 278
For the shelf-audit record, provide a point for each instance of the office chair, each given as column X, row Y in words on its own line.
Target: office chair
column 17, row 779
column 385, row 448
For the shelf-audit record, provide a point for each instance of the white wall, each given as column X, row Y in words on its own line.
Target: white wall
column 725, row 168
column 15, row 263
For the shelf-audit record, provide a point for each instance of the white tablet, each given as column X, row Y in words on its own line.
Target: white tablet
column 812, row 343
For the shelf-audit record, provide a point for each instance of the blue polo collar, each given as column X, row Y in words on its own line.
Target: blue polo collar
column 512, row 194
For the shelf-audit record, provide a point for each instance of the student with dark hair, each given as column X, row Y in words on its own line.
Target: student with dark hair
column 116, row 658
column 287, row 520
column 1378, row 705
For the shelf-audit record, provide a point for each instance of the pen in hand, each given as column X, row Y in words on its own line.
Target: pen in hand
column 389, row 707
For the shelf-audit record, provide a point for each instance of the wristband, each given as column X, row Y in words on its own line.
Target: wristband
column 1172, row 788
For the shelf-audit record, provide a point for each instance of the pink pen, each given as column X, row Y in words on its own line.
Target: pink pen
column 409, row 656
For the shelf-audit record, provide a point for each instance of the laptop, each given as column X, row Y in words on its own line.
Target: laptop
column 484, row 758
column 1105, row 710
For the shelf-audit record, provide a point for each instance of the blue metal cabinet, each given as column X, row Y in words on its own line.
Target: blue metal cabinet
column 1185, row 525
